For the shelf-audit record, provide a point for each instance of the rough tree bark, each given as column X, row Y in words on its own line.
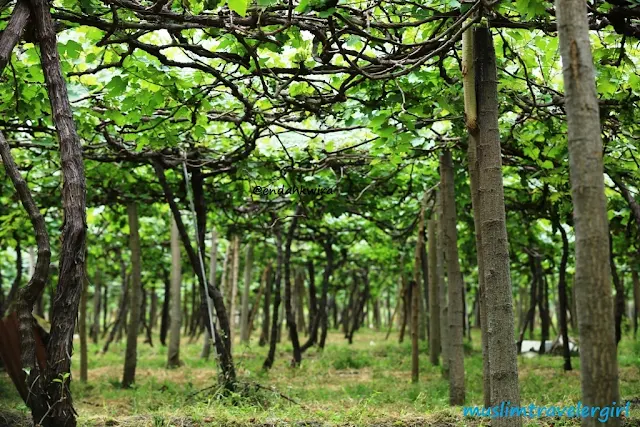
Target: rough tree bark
column 135, row 294
column 173, row 352
column 416, row 297
column 471, row 116
column 29, row 294
column 442, row 289
column 55, row 406
column 503, row 361
column 13, row 31
column 454, row 276
column 598, row 361
column 8, row 40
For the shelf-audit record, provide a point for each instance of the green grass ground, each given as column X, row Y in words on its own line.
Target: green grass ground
column 367, row 383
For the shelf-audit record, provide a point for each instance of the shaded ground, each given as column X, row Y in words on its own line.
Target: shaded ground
column 367, row 383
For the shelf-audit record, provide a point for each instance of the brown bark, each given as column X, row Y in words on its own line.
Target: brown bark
column 442, row 289
column 57, row 407
column 472, row 156
column 503, row 362
column 223, row 344
column 28, row 295
column 135, row 294
column 454, row 276
column 434, row 298
column 598, row 361
column 173, row 350
column 164, row 320
column 291, row 321
column 13, row 32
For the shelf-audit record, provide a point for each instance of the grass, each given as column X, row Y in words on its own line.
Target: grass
column 366, row 383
